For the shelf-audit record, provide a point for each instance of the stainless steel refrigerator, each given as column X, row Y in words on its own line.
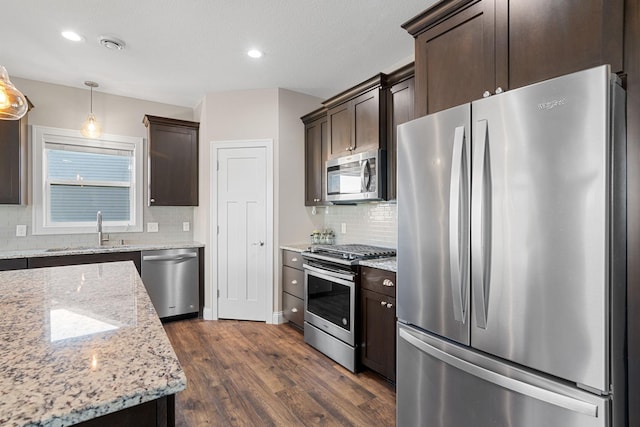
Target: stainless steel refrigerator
column 511, row 259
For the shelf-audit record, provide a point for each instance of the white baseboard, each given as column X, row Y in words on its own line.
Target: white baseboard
column 278, row 318
column 207, row 313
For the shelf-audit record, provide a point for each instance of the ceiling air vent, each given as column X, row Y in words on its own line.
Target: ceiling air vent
column 111, row 42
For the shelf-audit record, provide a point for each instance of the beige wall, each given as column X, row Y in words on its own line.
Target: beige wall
column 248, row 115
column 67, row 108
column 239, row 115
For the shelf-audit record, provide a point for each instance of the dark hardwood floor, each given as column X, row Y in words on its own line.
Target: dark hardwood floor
column 250, row 373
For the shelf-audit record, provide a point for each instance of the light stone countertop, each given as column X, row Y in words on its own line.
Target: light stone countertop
column 82, row 250
column 296, row 247
column 79, row 342
column 389, row 264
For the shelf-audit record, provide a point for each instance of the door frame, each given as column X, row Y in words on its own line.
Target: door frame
column 267, row 144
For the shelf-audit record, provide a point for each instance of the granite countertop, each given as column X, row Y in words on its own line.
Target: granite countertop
column 389, row 264
column 296, row 247
column 81, row 250
column 79, row 342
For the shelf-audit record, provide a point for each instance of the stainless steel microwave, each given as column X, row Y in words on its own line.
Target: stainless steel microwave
column 357, row 177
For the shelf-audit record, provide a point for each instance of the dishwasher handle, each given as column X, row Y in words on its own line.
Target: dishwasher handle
column 178, row 257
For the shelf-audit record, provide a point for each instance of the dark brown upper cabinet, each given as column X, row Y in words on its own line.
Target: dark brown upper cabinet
column 550, row 38
column 13, row 160
column 466, row 49
column 315, row 153
column 400, row 109
column 455, row 57
column 173, row 161
column 357, row 119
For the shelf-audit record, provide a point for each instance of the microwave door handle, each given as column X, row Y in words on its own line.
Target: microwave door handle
column 365, row 175
column 458, row 194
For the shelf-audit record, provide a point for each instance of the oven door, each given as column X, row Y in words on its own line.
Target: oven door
column 330, row 301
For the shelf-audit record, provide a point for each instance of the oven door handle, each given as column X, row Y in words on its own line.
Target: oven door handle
column 327, row 273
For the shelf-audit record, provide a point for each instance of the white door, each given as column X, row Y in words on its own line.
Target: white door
column 243, row 281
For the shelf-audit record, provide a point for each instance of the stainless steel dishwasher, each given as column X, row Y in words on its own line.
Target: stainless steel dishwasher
column 171, row 279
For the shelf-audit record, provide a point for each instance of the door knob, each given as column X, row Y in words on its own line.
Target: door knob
column 260, row 243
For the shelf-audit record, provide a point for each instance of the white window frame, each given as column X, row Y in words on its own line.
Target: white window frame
column 42, row 224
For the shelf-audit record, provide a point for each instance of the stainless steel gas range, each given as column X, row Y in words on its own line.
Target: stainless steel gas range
column 331, row 298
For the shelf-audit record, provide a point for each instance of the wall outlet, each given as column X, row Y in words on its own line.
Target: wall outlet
column 21, row 230
column 343, row 228
column 152, row 227
column 186, row 226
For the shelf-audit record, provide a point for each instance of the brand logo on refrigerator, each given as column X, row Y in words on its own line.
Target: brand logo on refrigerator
column 550, row 105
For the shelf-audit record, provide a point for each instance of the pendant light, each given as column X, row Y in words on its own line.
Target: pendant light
column 91, row 128
column 13, row 104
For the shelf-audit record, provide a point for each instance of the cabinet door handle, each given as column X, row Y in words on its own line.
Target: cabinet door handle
column 388, row 283
column 294, row 310
column 294, row 259
column 383, row 303
column 498, row 90
column 486, row 94
column 389, row 305
column 294, row 282
column 152, row 200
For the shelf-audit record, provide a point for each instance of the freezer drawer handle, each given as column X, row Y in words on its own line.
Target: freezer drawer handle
column 529, row 390
column 168, row 257
column 481, row 224
column 458, row 230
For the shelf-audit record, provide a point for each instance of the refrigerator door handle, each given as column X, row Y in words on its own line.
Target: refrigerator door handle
column 529, row 390
column 458, row 195
column 481, row 224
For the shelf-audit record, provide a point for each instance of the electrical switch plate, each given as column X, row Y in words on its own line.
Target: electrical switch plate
column 343, row 228
column 186, row 226
column 21, row 230
column 152, row 227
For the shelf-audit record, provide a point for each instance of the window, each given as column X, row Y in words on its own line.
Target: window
column 75, row 177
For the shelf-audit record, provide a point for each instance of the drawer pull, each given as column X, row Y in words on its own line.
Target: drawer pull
column 294, row 259
column 294, row 282
column 388, row 283
column 294, row 310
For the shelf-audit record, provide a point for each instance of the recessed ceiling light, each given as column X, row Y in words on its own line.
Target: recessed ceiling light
column 254, row 53
column 72, row 35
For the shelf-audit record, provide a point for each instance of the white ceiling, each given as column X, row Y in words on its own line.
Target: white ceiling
column 178, row 50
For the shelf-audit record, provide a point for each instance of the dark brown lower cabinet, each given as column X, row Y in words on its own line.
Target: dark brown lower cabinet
column 13, row 264
column 55, row 261
column 378, row 322
column 156, row 413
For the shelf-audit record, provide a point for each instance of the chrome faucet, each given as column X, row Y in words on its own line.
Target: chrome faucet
column 99, row 221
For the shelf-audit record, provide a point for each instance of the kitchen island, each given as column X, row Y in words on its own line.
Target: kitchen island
column 83, row 344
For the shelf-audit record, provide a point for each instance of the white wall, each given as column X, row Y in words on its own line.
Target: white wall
column 66, row 107
column 257, row 114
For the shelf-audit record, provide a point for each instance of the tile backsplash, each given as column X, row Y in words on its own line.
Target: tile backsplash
column 370, row 223
column 169, row 221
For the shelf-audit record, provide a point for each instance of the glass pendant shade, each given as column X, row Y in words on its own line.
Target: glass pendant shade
column 13, row 104
column 91, row 128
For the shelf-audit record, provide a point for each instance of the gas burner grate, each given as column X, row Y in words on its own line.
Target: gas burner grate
column 355, row 251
